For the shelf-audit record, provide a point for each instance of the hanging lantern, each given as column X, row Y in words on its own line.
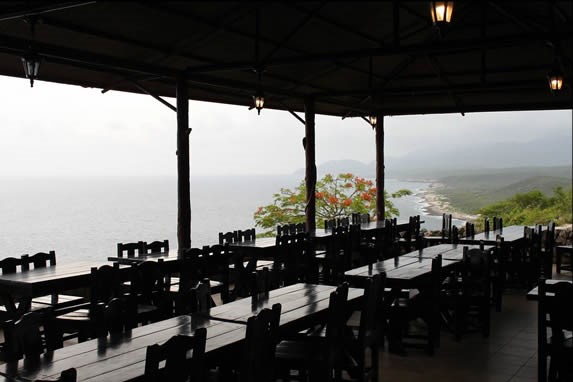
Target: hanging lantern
column 555, row 78
column 259, row 101
column 441, row 11
column 31, row 64
column 373, row 120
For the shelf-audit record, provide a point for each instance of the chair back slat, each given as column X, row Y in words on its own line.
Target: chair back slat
column 130, row 250
column 156, row 246
column 39, row 260
column 178, row 367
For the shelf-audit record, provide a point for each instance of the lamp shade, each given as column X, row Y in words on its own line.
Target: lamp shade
column 555, row 78
column 259, row 101
column 31, row 63
column 373, row 120
column 441, row 11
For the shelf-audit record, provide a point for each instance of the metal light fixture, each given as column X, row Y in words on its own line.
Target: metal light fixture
column 555, row 76
column 31, row 60
column 31, row 63
column 555, row 80
column 373, row 120
column 441, row 11
column 259, row 98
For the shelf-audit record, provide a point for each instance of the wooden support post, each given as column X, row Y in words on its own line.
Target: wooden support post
column 310, row 156
column 183, row 187
column 380, row 208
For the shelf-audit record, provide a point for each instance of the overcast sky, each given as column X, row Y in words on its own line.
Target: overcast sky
column 56, row 130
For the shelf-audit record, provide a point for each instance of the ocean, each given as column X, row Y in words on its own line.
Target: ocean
column 85, row 218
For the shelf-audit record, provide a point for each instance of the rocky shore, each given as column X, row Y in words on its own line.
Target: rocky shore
column 437, row 204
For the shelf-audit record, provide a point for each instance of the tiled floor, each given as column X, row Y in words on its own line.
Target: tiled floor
column 509, row 354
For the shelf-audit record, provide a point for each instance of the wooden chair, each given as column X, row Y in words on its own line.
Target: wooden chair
column 289, row 260
column 470, row 230
column 178, row 367
column 410, row 238
column 333, row 262
column 560, row 252
column 470, row 300
column 445, row 232
column 149, row 290
column 195, row 299
column 531, row 262
column 30, row 336
column 368, row 336
column 330, row 224
column 228, row 237
column 68, row 375
column 130, row 249
column 91, row 320
column 246, row 235
column 39, row 260
column 215, row 261
column 555, row 312
column 424, row 304
column 486, row 225
column 258, row 352
column 156, row 247
column 320, row 357
column 497, row 223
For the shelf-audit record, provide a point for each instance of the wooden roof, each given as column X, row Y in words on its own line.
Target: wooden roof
column 355, row 58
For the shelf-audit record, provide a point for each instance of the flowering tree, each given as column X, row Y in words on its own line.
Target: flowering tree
column 336, row 196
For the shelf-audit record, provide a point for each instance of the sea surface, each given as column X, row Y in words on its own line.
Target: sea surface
column 85, row 218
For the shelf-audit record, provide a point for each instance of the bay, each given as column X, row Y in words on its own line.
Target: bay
column 85, row 218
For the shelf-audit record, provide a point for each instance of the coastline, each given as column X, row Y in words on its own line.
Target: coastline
column 437, row 204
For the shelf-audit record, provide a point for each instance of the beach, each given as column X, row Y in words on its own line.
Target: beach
column 437, row 204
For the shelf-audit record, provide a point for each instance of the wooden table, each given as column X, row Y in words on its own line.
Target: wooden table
column 44, row 281
column 123, row 359
column 172, row 255
column 448, row 251
column 511, row 236
column 533, row 294
column 301, row 305
column 401, row 271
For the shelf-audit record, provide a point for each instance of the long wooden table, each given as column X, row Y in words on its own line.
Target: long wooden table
column 23, row 286
column 448, row 251
column 512, row 235
column 123, row 359
column 301, row 304
column 401, row 271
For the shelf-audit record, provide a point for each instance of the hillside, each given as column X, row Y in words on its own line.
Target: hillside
column 470, row 192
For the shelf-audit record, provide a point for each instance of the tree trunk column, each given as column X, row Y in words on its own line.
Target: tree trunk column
column 183, row 187
column 380, row 207
column 310, row 177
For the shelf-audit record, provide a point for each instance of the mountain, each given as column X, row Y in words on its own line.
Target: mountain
column 549, row 152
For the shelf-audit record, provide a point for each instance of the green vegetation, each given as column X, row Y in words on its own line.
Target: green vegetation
column 533, row 207
column 476, row 189
column 336, row 196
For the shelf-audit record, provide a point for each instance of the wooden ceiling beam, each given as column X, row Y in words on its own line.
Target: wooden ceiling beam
column 339, row 25
column 309, row 16
column 435, row 48
column 238, row 32
column 39, row 8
